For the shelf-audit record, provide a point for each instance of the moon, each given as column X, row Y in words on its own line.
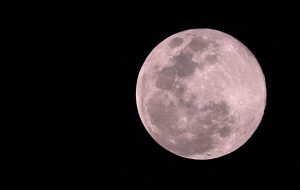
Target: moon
column 201, row 94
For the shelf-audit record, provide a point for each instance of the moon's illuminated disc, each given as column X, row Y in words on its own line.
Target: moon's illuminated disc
column 201, row 94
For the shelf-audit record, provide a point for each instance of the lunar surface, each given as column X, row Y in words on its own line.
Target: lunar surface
column 201, row 94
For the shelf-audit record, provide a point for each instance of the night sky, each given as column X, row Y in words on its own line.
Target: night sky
column 69, row 115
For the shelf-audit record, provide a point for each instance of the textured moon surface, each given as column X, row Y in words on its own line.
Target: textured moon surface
column 201, row 94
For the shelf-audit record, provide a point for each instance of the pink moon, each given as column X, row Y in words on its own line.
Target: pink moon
column 201, row 94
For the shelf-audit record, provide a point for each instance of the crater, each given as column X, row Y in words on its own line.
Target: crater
column 175, row 42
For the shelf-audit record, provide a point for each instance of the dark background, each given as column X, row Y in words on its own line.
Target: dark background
column 68, row 78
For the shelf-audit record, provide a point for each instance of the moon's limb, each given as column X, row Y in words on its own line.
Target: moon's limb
column 196, row 95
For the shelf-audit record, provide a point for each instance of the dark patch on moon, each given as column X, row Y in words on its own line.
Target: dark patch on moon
column 187, row 104
column 165, row 78
column 211, row 59
column 164, row 117
column 224, row 131
column 176, row 42
column 198, row 44
column 179, row 91
column 226, row 126
column 190, row 106
column 204, row 142
column 183, row 64
column 216, row 109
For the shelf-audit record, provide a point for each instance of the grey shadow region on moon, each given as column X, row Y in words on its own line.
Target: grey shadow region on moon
column 201, row 94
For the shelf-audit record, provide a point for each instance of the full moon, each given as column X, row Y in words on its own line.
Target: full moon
column 201, row 94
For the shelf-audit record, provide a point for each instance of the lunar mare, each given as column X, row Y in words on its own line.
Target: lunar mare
column 201, row 94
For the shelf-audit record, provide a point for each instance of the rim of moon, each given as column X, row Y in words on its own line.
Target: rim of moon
column 201, row 94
